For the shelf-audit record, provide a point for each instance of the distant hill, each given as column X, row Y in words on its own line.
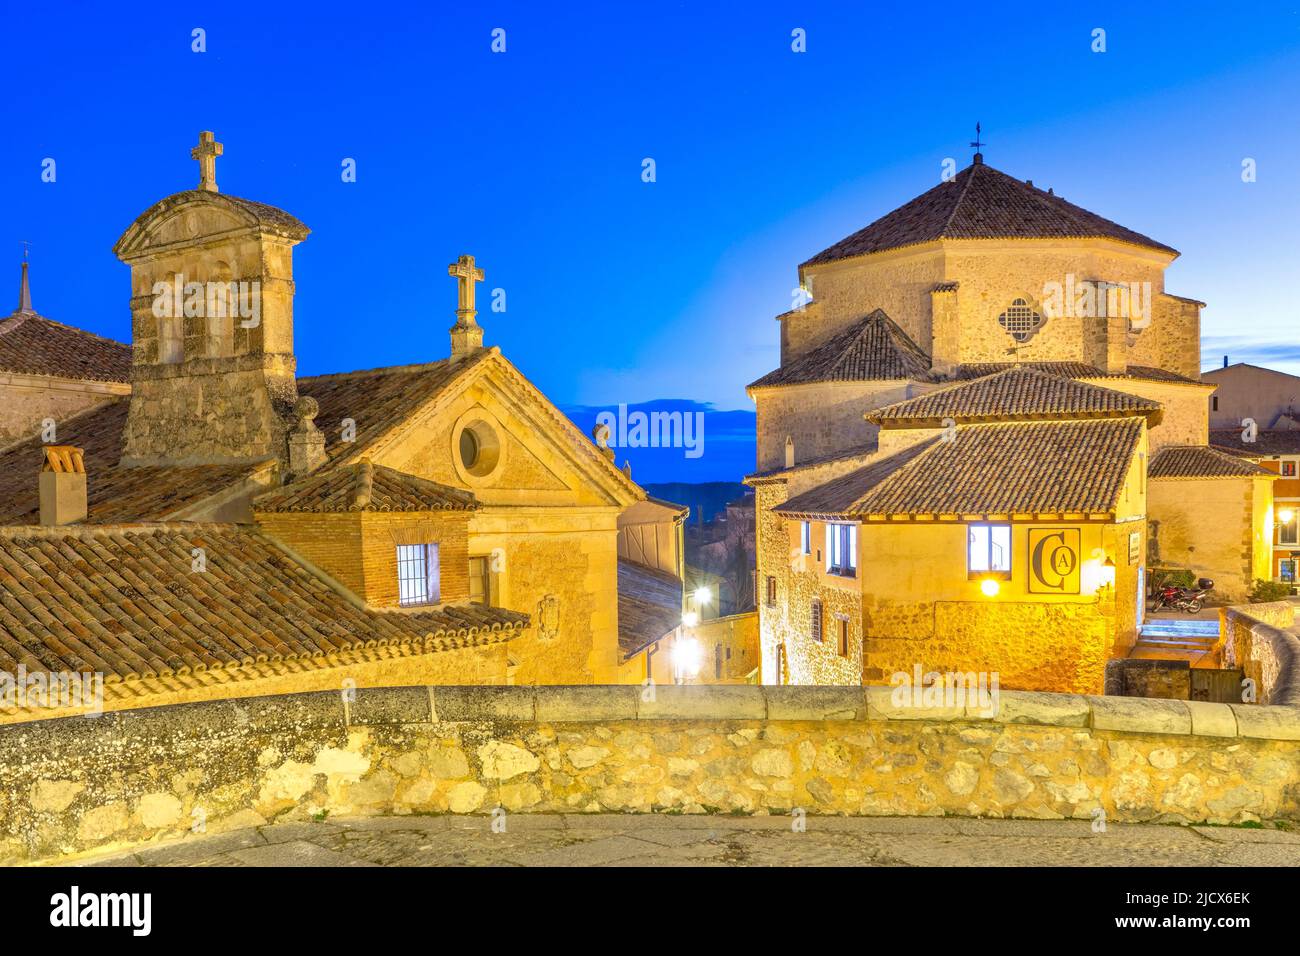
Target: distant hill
column 718, row 446
column 705, row 498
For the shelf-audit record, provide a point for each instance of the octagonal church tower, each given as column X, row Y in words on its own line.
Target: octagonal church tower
column 212, row 326
column 978, row 274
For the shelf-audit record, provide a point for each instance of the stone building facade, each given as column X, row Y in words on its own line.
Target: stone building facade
column 441, row 522
column 938, row 301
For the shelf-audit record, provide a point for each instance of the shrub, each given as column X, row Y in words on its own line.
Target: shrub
column 1178, row 577
column 1264, row 591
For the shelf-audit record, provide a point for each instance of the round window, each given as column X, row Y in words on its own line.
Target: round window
column 477, row 449
column 469, row 449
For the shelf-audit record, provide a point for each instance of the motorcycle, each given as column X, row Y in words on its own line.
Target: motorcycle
column 1188, row 600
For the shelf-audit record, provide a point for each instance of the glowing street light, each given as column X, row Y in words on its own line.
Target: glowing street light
column 1286, row 515
column 703, row 595
column 686, row 657
column 990, row 587
column 690, row 619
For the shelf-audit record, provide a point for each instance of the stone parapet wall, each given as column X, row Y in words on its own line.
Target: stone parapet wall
column 141, row 777
column 1261, row 640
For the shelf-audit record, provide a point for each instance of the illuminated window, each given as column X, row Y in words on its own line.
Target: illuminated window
column 816, row 620
column 1288, row 469
column 417, row 574
column 1288, row 532
column 842, row 550
column 1286, row 570
column 988, row 549
column 1020, row 320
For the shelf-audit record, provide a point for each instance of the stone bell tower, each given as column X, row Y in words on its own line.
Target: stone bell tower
column 213, row 367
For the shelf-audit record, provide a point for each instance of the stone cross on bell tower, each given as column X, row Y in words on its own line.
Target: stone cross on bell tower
column 466, row 334
column 206, row 153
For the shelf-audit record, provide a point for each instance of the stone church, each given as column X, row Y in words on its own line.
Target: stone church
column 988, row 421
column 189, row 519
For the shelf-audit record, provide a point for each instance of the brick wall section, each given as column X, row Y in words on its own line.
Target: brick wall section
column 359, row 549
column 332, row 542
column 382, row 532
column 142, row 777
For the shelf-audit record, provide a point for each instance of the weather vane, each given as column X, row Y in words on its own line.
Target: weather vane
column 27, row 247
column 977, row 144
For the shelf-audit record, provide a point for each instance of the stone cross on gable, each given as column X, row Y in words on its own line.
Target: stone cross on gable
column 466, row 275
column 206, row 153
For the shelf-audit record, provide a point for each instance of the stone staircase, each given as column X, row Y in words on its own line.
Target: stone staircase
column 1173, row 639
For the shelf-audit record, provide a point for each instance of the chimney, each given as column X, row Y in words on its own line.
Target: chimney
column 789, row 452
column 63, row 485
column 1225, row 361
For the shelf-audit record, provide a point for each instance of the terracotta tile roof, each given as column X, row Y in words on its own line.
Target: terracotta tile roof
column 377, row 400
column 31, row 344
column 1074, row 370
column 364, row 486
column 1198, row 461
column 1063, row 369
column 981, row 202
column 649, row 605
column 1268, row 442
column 1029, row 468
column 113, row 493
column 1016, row 393
column 125, row 601
column 873, row 349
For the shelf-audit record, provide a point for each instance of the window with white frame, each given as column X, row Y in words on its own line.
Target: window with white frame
column 417, row 574
column 1288, row 532
column 805, row 537
column 988, row 549
column 842, row 549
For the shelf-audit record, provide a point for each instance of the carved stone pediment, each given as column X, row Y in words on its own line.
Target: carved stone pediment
column 196, row 216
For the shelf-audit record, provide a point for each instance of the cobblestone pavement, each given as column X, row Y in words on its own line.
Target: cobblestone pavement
column 630, row 840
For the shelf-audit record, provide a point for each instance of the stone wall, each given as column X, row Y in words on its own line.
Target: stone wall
column 1261, row 639
column 823, row 419
column 1214, row 527
column 143, row 777
column 27, row 400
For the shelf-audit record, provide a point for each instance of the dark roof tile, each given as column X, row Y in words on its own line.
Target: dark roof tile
column 31, row 344
column 874, row 348
column 1038, row 468
column 363, row 486
column 125, row 601
column 649, row 605
column 981, row 202
column 1198, row 461
column 1016, row 393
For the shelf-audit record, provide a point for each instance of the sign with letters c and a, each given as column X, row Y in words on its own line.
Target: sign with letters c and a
column 1053, row 560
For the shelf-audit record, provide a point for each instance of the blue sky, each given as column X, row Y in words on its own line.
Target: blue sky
column 617, row 290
